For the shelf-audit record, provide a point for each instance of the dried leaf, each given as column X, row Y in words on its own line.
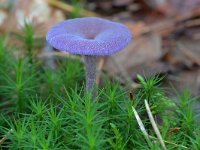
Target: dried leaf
column 141, row 50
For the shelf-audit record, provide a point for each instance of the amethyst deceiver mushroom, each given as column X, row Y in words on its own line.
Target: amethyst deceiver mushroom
column 90, row 37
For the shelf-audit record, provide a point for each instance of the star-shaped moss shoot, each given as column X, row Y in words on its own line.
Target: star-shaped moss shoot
column 90, row 37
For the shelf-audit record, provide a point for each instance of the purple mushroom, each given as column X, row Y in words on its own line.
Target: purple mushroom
column 90, row 37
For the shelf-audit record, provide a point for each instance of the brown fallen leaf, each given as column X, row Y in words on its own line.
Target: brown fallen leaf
column 186, row 80
column 165, row 25
column 141, row 50
column 189, row 54
column 182, row 54
column 149, row 69
column 175, row 129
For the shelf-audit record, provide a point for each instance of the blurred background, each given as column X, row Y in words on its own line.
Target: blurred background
column 166, row 35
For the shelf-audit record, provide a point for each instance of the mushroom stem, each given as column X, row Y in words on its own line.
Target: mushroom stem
column 90, row 69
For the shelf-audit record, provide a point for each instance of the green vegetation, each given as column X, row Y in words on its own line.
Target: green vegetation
column 48, row 109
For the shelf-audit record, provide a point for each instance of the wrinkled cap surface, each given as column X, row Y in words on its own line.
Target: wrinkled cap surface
column 89, row 36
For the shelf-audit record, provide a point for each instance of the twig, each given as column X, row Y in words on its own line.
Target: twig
column 54, row 53
column 168, row 142
column 5, row 137
column 154, row 125
column 69, row 8
column 58, row 54
column 192, row 23
column 99, row 69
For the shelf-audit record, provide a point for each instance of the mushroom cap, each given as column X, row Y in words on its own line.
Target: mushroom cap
column 89, row 36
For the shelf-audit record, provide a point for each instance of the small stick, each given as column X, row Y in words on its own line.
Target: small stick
column 192, row 23
column 154, row 125
column 60, row 54
column 99, row 69
column 69, row 8
column 5, row 137
column 168, row 142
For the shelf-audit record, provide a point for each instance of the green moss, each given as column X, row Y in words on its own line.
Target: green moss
column 49, row 109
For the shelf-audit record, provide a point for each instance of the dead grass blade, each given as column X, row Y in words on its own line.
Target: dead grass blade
column 69, row 8
column 5, row 137
column 141, row 125
column 148, row 137
column 154, row 125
